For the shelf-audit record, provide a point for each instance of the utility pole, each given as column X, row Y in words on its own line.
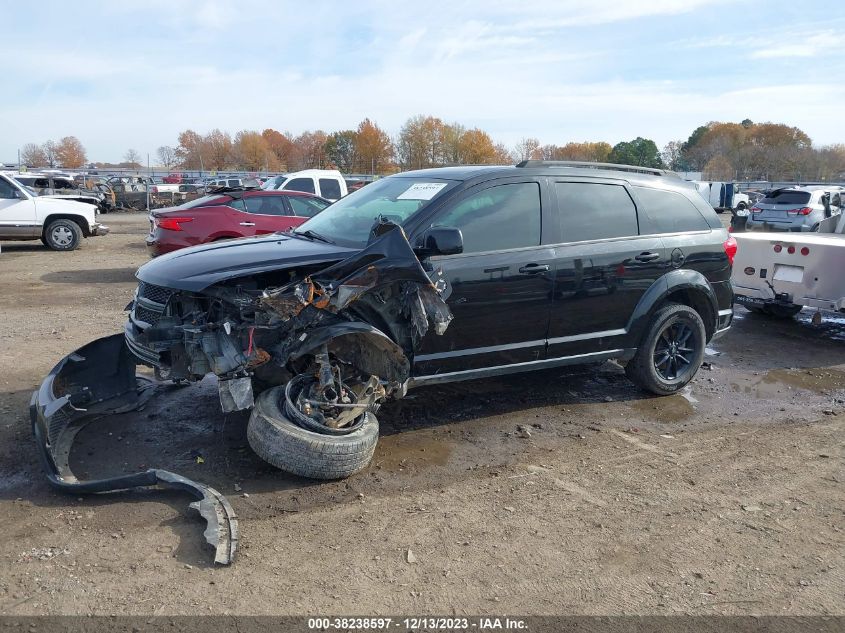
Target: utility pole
column 149, row 184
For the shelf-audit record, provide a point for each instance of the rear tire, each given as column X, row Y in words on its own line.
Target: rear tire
column 289, row 447
column 62, row 235
column 671, row 351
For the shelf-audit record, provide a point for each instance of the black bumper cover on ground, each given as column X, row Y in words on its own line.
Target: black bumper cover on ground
column 97, row 380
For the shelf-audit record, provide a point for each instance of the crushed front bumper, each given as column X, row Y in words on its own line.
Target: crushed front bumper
column 99, row 229
column 97, row 380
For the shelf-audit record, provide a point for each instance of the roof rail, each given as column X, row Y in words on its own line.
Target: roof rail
column 590, row 165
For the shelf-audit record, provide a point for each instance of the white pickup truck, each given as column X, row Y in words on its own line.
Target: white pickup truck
column 779, row 273
column 60, row 224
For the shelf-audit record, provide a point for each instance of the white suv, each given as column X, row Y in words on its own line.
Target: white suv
column 59, row 224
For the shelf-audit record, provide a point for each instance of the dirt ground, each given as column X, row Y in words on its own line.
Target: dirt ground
column 566, row 491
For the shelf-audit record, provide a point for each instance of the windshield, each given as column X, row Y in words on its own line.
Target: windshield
column 273, row 183
column 349, row 220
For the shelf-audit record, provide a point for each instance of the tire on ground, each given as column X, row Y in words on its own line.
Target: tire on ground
column 641, row 370
column 62, row 235
column 280, row 442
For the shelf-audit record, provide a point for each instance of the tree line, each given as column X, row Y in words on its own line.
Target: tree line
column 720, row 150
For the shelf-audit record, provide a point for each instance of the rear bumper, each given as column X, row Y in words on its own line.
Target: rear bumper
column 156, row 247
column 95, row 381
column 769, row 225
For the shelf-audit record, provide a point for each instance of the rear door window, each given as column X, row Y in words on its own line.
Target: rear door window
column 301, row 184
column 498, row 218
column 595, row 211
column 330, row 188
column 667, row 212
column 266, row 205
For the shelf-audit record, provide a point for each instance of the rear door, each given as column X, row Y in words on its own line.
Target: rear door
column 266, row 214
column 602, row 265
column 500, row 286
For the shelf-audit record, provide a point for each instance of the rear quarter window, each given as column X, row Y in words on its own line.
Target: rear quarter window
column 301, row 184
column 663, row 211
column 594, row 211
column 329, row 188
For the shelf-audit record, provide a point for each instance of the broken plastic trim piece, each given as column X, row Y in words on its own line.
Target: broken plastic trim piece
column 98, row 380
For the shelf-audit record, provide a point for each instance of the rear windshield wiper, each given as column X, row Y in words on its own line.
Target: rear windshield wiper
column 314, row 236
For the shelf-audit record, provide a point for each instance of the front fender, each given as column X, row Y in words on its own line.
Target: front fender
column 365, row 347
column 674, row 281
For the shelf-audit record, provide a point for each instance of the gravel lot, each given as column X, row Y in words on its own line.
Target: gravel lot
column 566, row 491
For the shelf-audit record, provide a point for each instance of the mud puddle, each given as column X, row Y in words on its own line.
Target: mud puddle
column 665, row 409
column 412, row 449
column 778, row 381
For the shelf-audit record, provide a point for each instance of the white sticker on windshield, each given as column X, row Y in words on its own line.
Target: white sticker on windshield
column 421, row 191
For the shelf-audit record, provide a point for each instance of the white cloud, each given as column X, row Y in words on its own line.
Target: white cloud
column 801, row 45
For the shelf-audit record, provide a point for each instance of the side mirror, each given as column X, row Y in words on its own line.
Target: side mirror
column 441, row 240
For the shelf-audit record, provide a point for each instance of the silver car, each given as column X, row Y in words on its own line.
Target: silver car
column 794, row 208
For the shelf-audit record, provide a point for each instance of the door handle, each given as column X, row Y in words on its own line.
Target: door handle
column 647, row 257
column 530, row 269
column 247, row 223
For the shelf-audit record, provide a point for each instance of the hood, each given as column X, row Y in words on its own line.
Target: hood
column 195, row 269
column 49, row 204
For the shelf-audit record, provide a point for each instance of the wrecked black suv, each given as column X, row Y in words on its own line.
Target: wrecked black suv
column 420, row 278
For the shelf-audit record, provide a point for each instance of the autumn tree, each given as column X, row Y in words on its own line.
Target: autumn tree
column 218, row 146
column 373, row 148
column 420, row 142
column 596, row 152
column 718, row 169
column 70, row 153
column 673, row 157
column 252, row 153
column 167, row 156
column 641, row 151
column 132, row 158
column 475, row 147
column 33, row 155
column 341, row 150
column 191, row 151
column 281, row 145
column 309, row 151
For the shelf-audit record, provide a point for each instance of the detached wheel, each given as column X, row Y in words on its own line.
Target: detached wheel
column 291, row 448
column 63, row 235
column 671, row 351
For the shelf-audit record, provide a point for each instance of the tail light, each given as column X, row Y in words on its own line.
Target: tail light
column 756, row 209
column 730, row 248
column 790, row 250
column 171, row 224
column 805, row 251
column 778, row 248
column 801, row 211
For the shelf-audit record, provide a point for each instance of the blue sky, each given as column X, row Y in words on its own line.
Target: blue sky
column 123, row 74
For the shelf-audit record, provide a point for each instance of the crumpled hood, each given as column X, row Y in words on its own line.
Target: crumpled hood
column 195, row 269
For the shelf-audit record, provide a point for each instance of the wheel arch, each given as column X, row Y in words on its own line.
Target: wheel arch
column 684, row 286
column 77, row 219
column 363, row 346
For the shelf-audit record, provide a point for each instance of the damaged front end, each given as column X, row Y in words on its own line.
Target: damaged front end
column 339, row 334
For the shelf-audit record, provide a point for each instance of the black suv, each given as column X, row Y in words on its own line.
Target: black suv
column 424, row 277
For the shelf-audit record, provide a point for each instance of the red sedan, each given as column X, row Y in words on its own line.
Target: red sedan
column 228, row 214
